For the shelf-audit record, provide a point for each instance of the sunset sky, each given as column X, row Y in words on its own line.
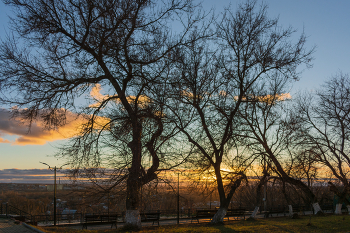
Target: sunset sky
column 325, row 22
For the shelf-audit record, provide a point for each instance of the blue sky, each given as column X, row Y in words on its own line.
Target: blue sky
column 325, row 22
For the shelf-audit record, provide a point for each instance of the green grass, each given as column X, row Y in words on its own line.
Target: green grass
column 328, row 223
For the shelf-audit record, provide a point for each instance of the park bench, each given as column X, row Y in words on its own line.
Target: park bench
column 276, row 211
column 210, row 213
column 327, row 208
column 299, row 209
column 96, row 219
column 150, row 217
column 204, row 214
column 235, row 213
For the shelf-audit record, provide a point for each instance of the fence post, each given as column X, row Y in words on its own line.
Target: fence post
column 6, row 210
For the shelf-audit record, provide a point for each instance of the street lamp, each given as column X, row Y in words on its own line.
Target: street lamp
column 54, row 190
column 178, row 198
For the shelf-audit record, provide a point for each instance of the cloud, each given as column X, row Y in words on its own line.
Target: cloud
column 37, row 134
column 95, row 93
column 29, row 176
column 270, row 99
column 4, row 140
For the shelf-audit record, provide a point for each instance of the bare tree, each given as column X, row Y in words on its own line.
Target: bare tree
column 324, row 129
column 213, row 78
column 99, row 185
column 62, row 48
column 270, row 132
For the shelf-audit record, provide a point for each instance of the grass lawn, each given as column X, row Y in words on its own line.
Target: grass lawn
column 328, row 223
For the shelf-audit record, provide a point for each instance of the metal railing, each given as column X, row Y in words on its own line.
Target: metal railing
column 9, row 210
column 78, row 217
column 48, row 219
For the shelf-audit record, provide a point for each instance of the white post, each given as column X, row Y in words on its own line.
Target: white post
column 290, row 210
column 338, row 209
column 317, row 207
column 255, row 212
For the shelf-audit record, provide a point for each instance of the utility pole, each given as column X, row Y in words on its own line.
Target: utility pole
column 141, row 199
column 54, row 191
column 108, row 204
column 54, row 199
column 210, row 201
column 178, row 198
column 264, row 199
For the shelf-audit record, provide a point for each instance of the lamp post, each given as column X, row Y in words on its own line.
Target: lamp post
column 264, row 199
column 178, row 198
column 54, row 190
column 108, row 203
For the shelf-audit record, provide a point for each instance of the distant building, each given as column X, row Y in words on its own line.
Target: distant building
column 68, row 214
column 51, row 187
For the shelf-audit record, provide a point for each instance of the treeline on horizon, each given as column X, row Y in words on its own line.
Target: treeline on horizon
column 156, row 196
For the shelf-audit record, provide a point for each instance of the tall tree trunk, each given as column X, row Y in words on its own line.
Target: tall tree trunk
column 310, row 196
column 262, row 182
column 284, row 191
column 220, row 214
column 132, row 215
column 225, row 200
column 137, row 176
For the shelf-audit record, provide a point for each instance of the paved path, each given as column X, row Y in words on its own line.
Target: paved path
column 163, row 222
column 9, row 226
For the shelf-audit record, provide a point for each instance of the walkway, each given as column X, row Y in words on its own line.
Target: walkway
column 162, row 222
column 9, row 226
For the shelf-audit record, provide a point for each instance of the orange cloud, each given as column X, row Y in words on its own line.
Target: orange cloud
column 37, row 135
column 143, row 100
column 270, row 99
column 95, row 93
column 4, row 140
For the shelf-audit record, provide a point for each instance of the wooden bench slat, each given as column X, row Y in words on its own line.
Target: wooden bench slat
column 275, row 211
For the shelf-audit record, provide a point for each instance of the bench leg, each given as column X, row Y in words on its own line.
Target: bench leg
column 155, row 221
column 114, row 224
